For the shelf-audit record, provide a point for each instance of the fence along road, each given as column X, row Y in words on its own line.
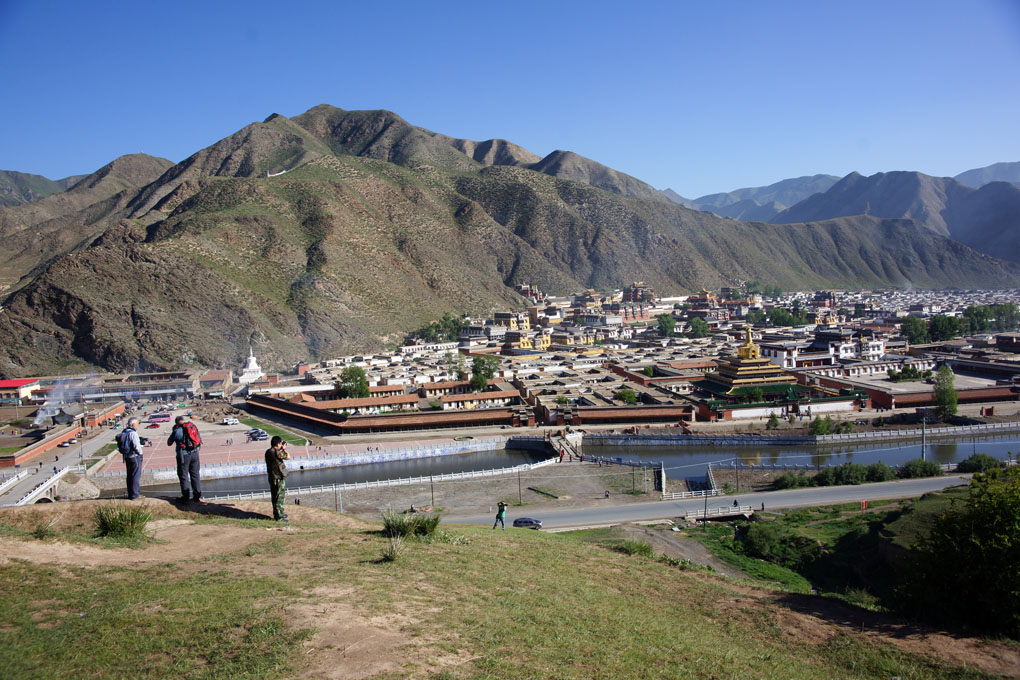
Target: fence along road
column 791, row 498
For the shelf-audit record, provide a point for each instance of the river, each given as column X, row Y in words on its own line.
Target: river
column 681, row 462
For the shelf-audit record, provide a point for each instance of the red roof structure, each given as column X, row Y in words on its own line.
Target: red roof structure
column 11, row 384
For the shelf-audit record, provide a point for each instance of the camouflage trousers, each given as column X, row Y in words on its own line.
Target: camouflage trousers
column 277, row 490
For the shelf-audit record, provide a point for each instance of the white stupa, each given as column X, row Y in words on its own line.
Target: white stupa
column 252, row 371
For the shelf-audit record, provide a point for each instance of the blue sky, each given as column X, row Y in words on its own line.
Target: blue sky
column 695, row 96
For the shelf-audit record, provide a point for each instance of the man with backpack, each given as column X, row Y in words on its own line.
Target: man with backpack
column 130, row 446
column 185, row 438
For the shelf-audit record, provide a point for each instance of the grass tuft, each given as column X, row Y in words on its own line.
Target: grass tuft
column 118, row 521
column 403, row 525
column 629, row 547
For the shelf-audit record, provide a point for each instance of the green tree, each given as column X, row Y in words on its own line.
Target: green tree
column 666, row 324
column 353, row 383
column 699, row 329
column 755, row 316
column 485, row 365
column 943, row 328
column 821, row 426
column 945, row 393
column 460, row 367
column 773, row 421
column 979, row 462
column 478, row 382
column 965, row 569
column 626, row 395
column 649, row 371
column 917, row 468
column 914, row 329
column 880, row 472
column 756, row 395
column 446, row 329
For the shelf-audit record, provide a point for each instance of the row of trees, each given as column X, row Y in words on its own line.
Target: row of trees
column 447, row 329
column 975, row 319
column 755, row 287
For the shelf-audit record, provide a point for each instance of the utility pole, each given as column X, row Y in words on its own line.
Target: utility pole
column 520, row 491
column 432, row 486
column 923, row 421
column 737, row 465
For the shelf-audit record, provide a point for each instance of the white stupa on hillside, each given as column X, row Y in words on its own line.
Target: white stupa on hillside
column 252, row 371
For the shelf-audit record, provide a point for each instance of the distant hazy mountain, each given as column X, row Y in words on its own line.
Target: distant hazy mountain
column 998, row 172
column 18, row 188
column 987, row 219
column 757, row 204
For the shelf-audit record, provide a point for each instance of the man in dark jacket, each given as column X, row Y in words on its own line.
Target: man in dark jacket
column 187, row 459
column 276, row 468
column 130, row 446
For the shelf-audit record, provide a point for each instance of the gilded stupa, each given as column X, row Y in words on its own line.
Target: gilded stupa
column 738, row 376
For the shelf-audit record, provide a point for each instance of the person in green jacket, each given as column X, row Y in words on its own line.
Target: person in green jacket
column 276, row 468
column 500, row 515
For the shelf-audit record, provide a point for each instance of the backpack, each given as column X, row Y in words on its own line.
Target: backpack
column 191, row 440
column 124, row 443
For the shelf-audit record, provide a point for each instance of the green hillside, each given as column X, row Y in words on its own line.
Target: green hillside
column 228, row 595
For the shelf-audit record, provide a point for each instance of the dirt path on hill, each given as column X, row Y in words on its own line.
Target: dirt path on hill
column 178, row 536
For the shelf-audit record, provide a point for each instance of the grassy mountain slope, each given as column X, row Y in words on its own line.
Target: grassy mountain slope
column 18, row 188
column 375, row 227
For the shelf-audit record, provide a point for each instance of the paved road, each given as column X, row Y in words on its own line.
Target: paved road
column 58, row 458
column 773, row 500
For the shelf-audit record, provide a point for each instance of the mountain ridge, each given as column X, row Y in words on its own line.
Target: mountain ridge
column 279, row 237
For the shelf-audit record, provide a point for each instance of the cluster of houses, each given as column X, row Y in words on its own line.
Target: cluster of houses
column 604, row 358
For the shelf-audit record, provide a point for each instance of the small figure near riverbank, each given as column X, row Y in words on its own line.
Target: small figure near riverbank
column 500, row 516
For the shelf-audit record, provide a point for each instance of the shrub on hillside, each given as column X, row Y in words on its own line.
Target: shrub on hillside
column 880, row 472
column 847, row 473
column 117, row 521
column 979, row 462
column 416, row 524
column 791, row 480
column 916, row 468
column 776, row 543
column 629, row 547
column 964, row 570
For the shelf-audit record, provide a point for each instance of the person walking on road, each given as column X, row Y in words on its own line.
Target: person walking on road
column 276, row 468
column 185, row 438
column 130, row 447
column 500, row 516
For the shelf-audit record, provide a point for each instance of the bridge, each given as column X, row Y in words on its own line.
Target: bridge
column 44, row 491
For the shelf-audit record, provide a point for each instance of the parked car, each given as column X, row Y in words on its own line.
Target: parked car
column 254, row 431
column 260, row 437
column 63, row 445
column 152, row 426
column 74, row 440
column 527, row 523
column 231, row 421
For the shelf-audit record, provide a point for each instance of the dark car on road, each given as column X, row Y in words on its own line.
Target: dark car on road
column 527, row 523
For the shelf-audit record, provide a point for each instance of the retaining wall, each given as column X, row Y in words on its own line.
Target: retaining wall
column 963, row 431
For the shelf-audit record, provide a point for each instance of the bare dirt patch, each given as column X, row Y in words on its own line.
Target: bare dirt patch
column 178, row 535
column 347, row 644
